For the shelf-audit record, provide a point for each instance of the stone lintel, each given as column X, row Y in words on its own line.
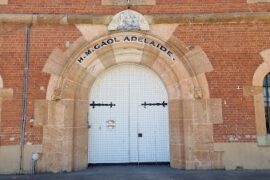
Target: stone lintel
column 252, row 90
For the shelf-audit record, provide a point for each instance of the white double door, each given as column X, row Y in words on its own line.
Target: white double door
column 121, row 129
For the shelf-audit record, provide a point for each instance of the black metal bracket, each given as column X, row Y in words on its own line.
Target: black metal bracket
column 93, row 104
column 154, row 104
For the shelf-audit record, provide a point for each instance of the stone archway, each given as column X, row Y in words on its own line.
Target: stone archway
column 191, row 111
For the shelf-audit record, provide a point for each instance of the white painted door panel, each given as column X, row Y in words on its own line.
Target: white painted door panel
column 128, row 86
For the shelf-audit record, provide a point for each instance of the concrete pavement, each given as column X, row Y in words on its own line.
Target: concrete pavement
column 147, row 172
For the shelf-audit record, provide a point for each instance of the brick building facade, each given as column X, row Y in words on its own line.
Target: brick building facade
column 214, row 83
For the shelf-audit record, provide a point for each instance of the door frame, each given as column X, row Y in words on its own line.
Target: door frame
column 115, row 67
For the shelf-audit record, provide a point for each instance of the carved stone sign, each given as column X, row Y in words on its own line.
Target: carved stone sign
column 128, row 20
column 126, row 39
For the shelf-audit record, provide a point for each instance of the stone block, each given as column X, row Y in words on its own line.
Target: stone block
column 50, row 19
column 82, row 93
column 40, row 112
column 56, row 62
column 58, row 57
column 259, row 74
column 260, row 115
column 128, row 55
column 6, row 93
column 257, row 1
column 56, row 115
column 78, row 44
column 92, row 31
column 108, row 59
column 169, row 78
column 3, row 2
column 52, row 67
column 69, row 89
column 181, row 49
column 202, row 137
column 176, row 134
column 202, row 86
column 188, row 110
column 214, row 110
column 75, row 72
column 174, row 92
column 266, row 56
column 96, row 68
column 81, row 113
column 80, row 160
column 199, row 61
column 149, row 57
column 88, row 80
column 180, row 70
column 175, row 109
column 125, row 3
column 252, row 90
column 160, row 66
column 163, row 31
column 53, row 83
column 187, row 88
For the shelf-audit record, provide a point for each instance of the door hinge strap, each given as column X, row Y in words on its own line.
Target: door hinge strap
column 154, row 104
column 93, row 104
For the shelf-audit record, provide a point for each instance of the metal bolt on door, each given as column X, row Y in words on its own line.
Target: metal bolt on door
column 122, row 130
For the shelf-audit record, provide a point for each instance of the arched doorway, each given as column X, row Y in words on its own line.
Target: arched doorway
column 189, row 105
column 128, row 117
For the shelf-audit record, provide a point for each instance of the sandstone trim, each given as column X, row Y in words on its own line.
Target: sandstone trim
column 213, row 18
column 125, row 3
column 257, row 1
column 3, row 2
column 6, row 93
column 256, row 90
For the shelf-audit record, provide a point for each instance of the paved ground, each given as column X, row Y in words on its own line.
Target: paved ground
column 148, row 172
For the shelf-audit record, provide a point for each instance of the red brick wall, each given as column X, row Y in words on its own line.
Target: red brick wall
column 44, row 39
column 234, row 52
column 12, row 49
column 163, row 6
